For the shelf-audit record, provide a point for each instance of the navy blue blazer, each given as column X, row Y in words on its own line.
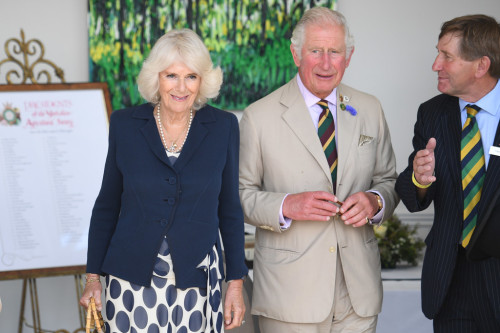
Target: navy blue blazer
column 144, row 197
column 440, row 118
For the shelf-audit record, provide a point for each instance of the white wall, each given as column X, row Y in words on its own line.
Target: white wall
column 395, row 48
column 61, row 26
column 394, row 51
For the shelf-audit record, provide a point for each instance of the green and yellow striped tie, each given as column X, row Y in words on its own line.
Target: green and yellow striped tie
column 473, row 171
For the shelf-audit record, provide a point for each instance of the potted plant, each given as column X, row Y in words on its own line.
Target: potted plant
column 398, row 243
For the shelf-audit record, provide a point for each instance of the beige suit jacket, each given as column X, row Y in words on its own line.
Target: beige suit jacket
column 280, row 153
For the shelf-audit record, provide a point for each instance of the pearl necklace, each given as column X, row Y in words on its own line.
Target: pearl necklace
column 173, row 148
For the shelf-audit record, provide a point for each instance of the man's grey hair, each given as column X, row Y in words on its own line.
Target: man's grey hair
column 320, row 16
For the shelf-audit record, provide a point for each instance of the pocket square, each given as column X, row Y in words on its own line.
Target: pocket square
column 364, row 139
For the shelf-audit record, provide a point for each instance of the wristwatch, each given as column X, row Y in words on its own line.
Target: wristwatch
column 379, row 202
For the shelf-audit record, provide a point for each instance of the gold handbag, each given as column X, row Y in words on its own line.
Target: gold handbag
column 94, row 319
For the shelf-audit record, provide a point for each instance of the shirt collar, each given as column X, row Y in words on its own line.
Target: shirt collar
column 310, row 99
column 489, row 103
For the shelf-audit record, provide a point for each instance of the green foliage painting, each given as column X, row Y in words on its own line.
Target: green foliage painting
column 249, row 39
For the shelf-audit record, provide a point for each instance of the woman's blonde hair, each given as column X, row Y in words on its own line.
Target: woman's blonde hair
column 186, row 47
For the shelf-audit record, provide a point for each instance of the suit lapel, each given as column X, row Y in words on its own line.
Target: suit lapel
column 150, row 133
column 347, row 126
column 299, row 120
column 452, row 136
column 492, row 180
column 195, row 137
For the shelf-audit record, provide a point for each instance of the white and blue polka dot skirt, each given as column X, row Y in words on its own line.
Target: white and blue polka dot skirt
column 163, row 307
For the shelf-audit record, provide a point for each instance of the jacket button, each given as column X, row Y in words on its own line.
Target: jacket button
column 172, row 180
column 171, row 201
column 332, row 249
column 164, row 222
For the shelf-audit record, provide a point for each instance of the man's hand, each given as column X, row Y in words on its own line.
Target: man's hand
column 314, row 206
column 424, row 164
column 358, row 207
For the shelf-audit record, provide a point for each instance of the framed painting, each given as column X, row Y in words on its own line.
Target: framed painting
column 249, row 40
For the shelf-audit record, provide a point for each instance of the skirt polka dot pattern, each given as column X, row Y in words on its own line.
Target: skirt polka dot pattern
column 162, row 307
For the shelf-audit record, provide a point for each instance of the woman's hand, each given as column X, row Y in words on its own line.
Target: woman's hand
column 93, row 288
column 234, row 305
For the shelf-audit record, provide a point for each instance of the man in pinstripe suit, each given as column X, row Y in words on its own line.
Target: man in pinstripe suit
column 460, row 295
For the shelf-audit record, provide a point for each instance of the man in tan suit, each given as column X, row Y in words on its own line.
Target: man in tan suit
column 317, row 264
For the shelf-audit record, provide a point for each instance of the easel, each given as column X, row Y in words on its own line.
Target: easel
column 18, row 53
column 25, row 63
column 29, row 278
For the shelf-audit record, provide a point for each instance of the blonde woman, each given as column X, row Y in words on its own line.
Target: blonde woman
column 170, row 187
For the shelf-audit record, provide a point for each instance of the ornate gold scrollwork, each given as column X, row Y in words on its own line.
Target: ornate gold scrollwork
column 20, row 54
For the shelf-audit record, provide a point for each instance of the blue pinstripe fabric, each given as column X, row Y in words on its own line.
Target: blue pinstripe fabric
column 465, row 309
column 439, row 118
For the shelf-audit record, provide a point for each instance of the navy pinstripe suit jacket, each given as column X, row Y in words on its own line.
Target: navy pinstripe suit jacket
column 440, row 118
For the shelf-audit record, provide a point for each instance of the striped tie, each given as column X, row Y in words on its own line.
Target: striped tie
column 326, row 133
column 473, row 171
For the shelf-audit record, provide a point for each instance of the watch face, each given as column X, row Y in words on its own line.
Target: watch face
column 379, row 202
